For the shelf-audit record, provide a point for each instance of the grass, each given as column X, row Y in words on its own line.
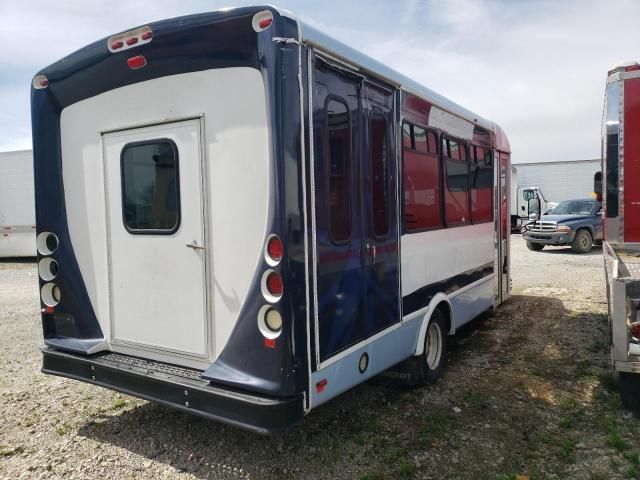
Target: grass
column 614, row 439
column 9, row 452
column 366, row 424
column 573, row 414
column 567, row 449
column 63, row 429
column 118, row 403
column 435, row 426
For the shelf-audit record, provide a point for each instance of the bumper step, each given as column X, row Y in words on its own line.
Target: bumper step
column 176, row 387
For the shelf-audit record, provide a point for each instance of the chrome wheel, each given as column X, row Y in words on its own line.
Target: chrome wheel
column 433, row 345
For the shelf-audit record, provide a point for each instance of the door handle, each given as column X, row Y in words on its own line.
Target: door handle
column 371, row 251
column 195, row 246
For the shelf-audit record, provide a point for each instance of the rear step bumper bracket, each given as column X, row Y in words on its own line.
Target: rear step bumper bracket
column 170, row 386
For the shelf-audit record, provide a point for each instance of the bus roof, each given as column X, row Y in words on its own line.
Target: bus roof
column 330, row 45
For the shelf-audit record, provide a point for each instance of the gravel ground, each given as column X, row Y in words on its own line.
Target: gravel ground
column 527, row 394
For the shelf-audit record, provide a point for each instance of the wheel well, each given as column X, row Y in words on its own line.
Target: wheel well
column 587, row 228
column 445, row 310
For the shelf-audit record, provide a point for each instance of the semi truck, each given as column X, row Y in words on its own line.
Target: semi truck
column 17, row 205
column 526, row 203
column 618, row 186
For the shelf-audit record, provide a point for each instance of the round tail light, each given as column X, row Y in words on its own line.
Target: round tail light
column 50, row 294
column 634, row 328
column 274, row 284
column 275, row 250
column 47, row 243
column 48, row 269
column 273, row 320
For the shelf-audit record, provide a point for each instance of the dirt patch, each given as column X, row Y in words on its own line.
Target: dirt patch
column 528, row 394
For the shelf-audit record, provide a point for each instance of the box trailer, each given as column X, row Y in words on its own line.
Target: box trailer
column 17, row 205
column 618, row 186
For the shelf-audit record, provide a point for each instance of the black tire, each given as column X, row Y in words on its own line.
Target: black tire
column 536, row 247
column 582, row 242
column 630, row 391
column 434, row 360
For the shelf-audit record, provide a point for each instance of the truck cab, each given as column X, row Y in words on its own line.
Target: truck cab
column 526, row 205
column 573, row 222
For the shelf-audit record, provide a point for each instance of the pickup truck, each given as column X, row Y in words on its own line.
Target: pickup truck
column 573, row 222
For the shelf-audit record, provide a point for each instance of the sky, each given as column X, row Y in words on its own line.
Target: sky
column 537, row 68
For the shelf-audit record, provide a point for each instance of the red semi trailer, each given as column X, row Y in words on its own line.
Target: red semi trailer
column 619, row 186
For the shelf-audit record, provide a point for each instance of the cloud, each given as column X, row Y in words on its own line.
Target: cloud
column 537, row 68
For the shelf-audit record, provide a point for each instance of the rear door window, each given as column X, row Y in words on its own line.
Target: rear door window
column 150, row 187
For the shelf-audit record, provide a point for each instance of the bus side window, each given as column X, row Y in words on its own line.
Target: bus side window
column 338, row 146
column 421, row 181
column 456, row 193
column 379, row 173
column 481, row 184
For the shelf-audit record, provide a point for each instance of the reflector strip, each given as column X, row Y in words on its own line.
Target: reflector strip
column 321, row 385
column 270, row 342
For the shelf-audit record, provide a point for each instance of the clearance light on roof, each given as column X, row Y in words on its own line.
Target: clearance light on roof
column 130, row 39
column 262, row 20
column 40, row 81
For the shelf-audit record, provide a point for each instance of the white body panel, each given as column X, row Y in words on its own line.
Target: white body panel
column 433, row 256
column 17, row 205
column 559, row 181
column 158, row 284
column 232, row 107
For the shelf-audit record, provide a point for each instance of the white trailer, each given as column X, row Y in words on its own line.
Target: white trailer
column 17, row 205
column 561, row 180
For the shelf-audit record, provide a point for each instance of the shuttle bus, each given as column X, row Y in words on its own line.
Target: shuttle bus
column 618, row 186
column 241, row 217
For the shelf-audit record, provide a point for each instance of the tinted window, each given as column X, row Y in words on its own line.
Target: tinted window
column 481, row 184
column 574, row 207
column 339, row 151
column 457, row 168
column 150, row 189
column 379, row 174
column 421, row 170
column 457, row 182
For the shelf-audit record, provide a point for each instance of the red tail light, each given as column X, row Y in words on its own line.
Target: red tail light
column 265, row 22
column 136, row 62
column 634, row 328
column 274, row 284
column 275, row 249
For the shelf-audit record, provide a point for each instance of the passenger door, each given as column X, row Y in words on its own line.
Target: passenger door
column 354, row 186
column 379, row 210
column 157, row 242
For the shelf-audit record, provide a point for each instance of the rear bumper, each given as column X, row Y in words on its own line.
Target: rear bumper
column 178, row 388
column 551, row 238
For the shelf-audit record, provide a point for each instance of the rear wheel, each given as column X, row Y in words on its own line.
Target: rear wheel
column 536, row 247
column 582, row 242
column 630, row 391
column 434, row 356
